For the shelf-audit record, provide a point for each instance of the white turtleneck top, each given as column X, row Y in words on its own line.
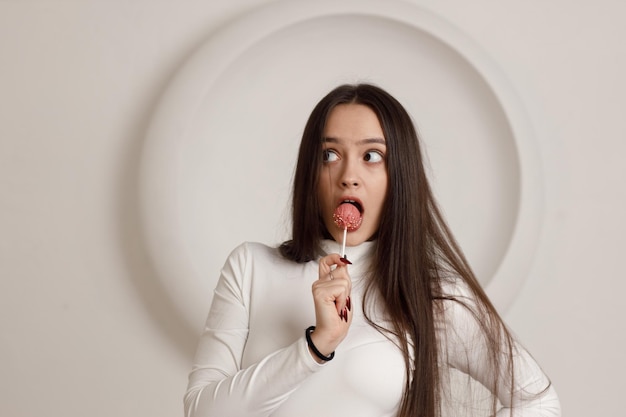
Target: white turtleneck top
column 253, row 360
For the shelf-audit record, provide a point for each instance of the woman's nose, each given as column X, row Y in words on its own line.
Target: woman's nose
column 349, row 175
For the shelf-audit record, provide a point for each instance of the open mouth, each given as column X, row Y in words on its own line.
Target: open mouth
column 355, row 203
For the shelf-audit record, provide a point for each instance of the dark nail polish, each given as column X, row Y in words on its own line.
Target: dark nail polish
column 345, row 260
column 348, row 303
column 345, row 314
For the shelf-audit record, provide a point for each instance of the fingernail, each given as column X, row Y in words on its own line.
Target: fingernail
column 345, row 260
column 345, row 314
column 348, row 303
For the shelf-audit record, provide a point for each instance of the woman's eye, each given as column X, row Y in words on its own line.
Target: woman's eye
column 373, row 156
column 330, row 156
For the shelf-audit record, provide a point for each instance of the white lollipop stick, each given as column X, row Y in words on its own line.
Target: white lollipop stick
column 343, row 244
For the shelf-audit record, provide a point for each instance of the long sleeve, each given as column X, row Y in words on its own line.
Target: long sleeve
column 531, row 394
column 218, row 386
column 252, row 359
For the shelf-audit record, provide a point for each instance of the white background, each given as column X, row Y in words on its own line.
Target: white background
column 85, row 329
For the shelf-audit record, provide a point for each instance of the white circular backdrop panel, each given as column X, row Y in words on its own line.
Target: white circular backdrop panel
column 220, row 152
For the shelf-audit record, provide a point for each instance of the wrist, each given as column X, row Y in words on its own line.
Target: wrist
column 320, row 353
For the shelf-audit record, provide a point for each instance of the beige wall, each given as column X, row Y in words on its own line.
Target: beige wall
column 85, row 329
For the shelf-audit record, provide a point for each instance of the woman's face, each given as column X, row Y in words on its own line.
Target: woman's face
column 354, row 169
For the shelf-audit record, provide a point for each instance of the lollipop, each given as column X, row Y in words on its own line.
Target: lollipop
column 347, row 217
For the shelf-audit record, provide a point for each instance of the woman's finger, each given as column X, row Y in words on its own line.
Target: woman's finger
column 328, row 265
column 335, row 284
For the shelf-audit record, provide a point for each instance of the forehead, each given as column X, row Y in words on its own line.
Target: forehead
column 352, row 122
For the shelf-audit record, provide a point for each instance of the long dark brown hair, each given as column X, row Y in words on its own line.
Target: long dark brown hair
column 415, row 250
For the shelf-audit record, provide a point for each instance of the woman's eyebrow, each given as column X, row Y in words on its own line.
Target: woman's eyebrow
column 372, row 140
column 360, row 142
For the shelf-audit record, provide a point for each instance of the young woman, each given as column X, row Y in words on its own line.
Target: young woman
column 300, row 330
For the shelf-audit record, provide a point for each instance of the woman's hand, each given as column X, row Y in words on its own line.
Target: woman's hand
column 331, row 295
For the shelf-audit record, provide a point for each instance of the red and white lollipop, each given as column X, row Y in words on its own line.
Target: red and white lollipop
column 348, row 218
